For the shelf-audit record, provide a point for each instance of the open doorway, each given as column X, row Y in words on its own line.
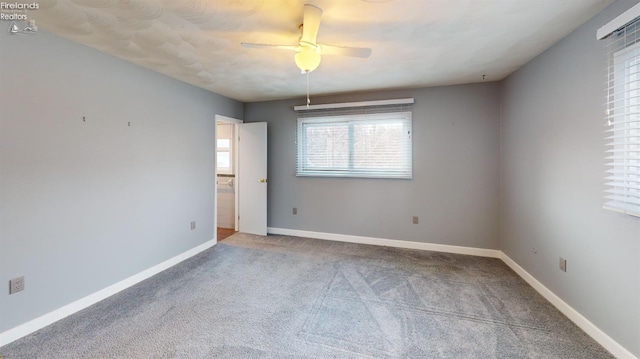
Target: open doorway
column 226, row 177
column 241, row 177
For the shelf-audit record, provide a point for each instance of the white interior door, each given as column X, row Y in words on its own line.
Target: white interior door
column 252, row 183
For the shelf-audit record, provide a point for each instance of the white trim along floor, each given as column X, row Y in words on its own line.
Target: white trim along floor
column 611, row 345
column 591, row 329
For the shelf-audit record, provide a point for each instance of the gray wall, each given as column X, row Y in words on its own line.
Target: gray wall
column 552, row 184
column 84, row 205
column 455, row 173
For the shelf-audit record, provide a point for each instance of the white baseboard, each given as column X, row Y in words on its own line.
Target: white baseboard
column 493, row 253
column 591, row 329
column 601, row 337
column 598, row 335
column 29, row 327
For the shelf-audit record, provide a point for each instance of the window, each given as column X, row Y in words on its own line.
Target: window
column 224, row 149
column 375, row 145
column 623, row 121
column 223, row 155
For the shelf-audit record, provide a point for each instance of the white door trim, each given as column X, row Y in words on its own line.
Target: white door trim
column 234, row 121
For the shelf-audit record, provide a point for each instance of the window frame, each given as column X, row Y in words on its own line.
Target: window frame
column 225, row 149
column 402, row 116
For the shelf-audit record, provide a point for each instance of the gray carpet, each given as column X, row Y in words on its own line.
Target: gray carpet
column 289, row 297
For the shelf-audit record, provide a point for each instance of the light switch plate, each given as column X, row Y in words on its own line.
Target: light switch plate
column 563, row 264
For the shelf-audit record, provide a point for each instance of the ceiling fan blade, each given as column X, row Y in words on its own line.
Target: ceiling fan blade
column 310, row 23
column 363, row 52
column 251, row 45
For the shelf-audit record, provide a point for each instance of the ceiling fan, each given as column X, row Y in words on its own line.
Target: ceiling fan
column 308, row 51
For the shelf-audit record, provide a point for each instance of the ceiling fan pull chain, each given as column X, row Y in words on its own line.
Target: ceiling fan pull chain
column 308, row 100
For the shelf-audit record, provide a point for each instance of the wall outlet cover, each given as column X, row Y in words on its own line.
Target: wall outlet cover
column 16, row 285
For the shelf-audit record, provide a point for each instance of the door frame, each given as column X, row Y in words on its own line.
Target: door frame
column 235, row 122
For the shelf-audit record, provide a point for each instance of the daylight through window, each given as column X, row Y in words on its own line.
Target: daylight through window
column 623, row 121
column 376, row 145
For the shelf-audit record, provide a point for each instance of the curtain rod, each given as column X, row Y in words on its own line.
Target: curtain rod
column 619, row 22
column 399, row 101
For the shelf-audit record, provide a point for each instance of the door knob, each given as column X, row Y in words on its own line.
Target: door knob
column 264, row 180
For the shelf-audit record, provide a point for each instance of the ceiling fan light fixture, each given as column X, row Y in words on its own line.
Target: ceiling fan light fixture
column 308, row 51
column 307, row 59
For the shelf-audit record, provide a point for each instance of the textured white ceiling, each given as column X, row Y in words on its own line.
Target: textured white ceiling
column 415, row 43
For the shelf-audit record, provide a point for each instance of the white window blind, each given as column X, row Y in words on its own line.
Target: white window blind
column 370, row 142
column 623, row 120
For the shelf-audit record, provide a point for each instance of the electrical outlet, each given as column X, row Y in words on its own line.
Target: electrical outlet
column 295, row 210
column 193, row 225
column 534, row 250
column 16, row 285
column 563, row 264
column 415, row 219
